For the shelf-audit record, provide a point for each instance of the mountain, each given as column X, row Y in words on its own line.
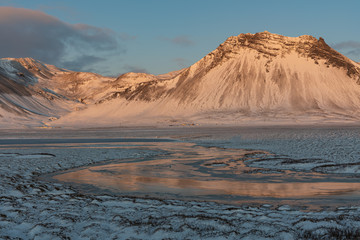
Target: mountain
column 33, row 93
column 249, row 78
column 21, row 97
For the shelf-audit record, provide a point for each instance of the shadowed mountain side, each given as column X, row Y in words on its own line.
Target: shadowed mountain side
column 24, row 95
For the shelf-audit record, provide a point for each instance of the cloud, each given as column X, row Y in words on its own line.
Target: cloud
column 30, row 33
column 349, row 48
column 181, row 62
column 355, row 52
column 182, row 40
column 126, row 37
column 82, row 63
column 59, row 7
column 136, row 69
column 347, row 45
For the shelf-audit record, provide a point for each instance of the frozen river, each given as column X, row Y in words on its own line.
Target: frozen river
column 271, row 182
column 189, row 171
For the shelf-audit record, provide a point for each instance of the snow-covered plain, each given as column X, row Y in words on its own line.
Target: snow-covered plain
column 33, row 208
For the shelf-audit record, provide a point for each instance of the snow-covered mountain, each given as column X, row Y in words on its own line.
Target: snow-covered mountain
column 250, row 77
column 33, row 93
column 21, row 96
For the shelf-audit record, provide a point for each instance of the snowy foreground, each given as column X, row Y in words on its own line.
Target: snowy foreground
column 31, row 208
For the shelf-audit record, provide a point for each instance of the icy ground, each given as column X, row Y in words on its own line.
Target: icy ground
column 31, row 208
column 319, row 149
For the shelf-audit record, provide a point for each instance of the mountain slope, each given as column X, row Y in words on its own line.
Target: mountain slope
column 250, row 76
column 21, row 99
column 32, row 93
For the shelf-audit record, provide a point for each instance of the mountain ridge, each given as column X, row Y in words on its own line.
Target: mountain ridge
column 249, row 76
column 305, row 45
column 224, row 53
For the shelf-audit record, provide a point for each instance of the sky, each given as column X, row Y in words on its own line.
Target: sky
column 112, row 37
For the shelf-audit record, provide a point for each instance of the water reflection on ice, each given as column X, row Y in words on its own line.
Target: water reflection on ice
column 190, row 171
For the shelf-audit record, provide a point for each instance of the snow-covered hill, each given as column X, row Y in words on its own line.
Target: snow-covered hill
column 22, row 99
column 249, row 78
column 33, row 93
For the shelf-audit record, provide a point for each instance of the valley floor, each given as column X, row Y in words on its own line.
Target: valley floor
column 33, row 208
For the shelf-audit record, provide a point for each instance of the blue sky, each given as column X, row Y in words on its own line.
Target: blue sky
column 116, row 36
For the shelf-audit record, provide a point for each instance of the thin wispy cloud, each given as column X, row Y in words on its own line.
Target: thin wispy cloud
column 355, row 52
column 30, row 33
column 182, row 62
column 134, row 68
column 58, row 7
column 347, row 45
column 349, row 48
column 182, row 40
column 126, row 37
column 83, row 63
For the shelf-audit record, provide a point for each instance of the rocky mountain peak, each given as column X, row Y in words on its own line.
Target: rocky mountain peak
column 28, row 63
column 270, row 45
column 132, row 77
column 30, row 66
